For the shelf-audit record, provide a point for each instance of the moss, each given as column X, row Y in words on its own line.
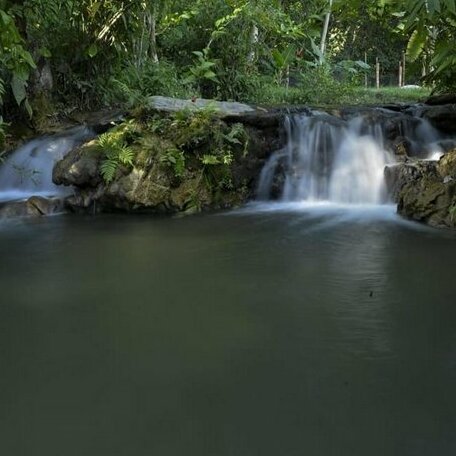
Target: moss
column 186, row 158
column 182, row 163
column 447, row 165
column 427, row 197
column 45, row 119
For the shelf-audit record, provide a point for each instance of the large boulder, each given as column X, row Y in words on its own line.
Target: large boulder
column 255, row 116
column 152, row 181
column 426, row 190
column 80, row 167
column 35, row 206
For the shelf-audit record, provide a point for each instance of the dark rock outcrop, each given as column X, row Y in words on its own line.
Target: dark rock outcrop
column 425, row 190
column 435, row 100
column 151, row 183
column 442, row 117
column 79, row 168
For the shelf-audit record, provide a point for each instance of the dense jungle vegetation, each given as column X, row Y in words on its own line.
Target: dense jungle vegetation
column 66, row 55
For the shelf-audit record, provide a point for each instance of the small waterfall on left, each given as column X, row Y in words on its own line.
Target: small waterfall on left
column 28, row 170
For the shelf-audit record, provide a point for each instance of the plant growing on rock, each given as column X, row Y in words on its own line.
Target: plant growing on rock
column 452, row 212
column 175, row 159
column 212, row 142
column 3, row 126
column 115, row 152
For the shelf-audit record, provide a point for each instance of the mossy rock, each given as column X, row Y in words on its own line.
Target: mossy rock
column 447, row 165
column 79, row 168
column 426, row 196
column 186, row 163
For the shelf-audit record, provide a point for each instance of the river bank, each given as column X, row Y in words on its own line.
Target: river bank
column 189, row 156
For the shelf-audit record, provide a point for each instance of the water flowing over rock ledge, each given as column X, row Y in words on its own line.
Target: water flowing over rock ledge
column 152, row 183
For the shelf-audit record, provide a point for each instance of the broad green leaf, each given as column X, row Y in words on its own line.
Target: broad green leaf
column 210, row 75
column 27, row 57
column 363, row 65
column 28, row 108
column 416, row 44
column 92, row 51
column 18, row 87
column 451, row 5
column 45, row 52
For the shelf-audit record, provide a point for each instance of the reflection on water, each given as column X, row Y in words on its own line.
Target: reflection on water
column 277, row 329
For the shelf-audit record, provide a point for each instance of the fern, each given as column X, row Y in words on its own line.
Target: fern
column 108, row 170
column 2, row 90
column 126, row 156
column 115, row 152
column 236, row 133
column 452, row 213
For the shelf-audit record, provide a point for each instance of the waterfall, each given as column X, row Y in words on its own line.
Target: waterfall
column 28, row 170
column 327, row 159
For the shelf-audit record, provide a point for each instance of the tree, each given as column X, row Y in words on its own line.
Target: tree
column 432, row 28
column 324, row 33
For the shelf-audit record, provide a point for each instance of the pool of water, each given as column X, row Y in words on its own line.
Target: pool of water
column 282, row 330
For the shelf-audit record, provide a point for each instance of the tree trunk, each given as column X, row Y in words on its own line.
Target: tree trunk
column 153, row 36
column 254, row 36
column 324, row 34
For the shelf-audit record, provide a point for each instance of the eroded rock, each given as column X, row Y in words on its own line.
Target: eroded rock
column 425, row 190
column 35, row 206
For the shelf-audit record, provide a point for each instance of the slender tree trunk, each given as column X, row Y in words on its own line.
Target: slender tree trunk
column 324, row 34
column 254, row 37
column 377, row 73
column 153, row 36
column 403, row 69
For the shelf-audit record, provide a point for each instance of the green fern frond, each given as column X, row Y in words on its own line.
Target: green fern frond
column 105, row 142
column 236, row 133
column 2, row 89
column 126, row 156
column 108, row 170
column 115, row 151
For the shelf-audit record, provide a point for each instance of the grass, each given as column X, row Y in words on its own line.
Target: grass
column 336, row 94
column 386, row 95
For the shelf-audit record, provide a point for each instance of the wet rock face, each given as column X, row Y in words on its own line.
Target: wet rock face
column 442, row 117
column 445, row 99
column 402, row 148
column 36, row 206
column 80, row 167
column 425, row 190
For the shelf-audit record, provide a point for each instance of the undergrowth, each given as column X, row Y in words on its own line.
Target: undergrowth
column 115, row 150
column 186, row 146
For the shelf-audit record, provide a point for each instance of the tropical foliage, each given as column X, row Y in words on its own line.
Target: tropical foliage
column 87, row 53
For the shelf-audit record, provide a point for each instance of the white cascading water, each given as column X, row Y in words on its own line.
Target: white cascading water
column 28, row 170
column 330, row 160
